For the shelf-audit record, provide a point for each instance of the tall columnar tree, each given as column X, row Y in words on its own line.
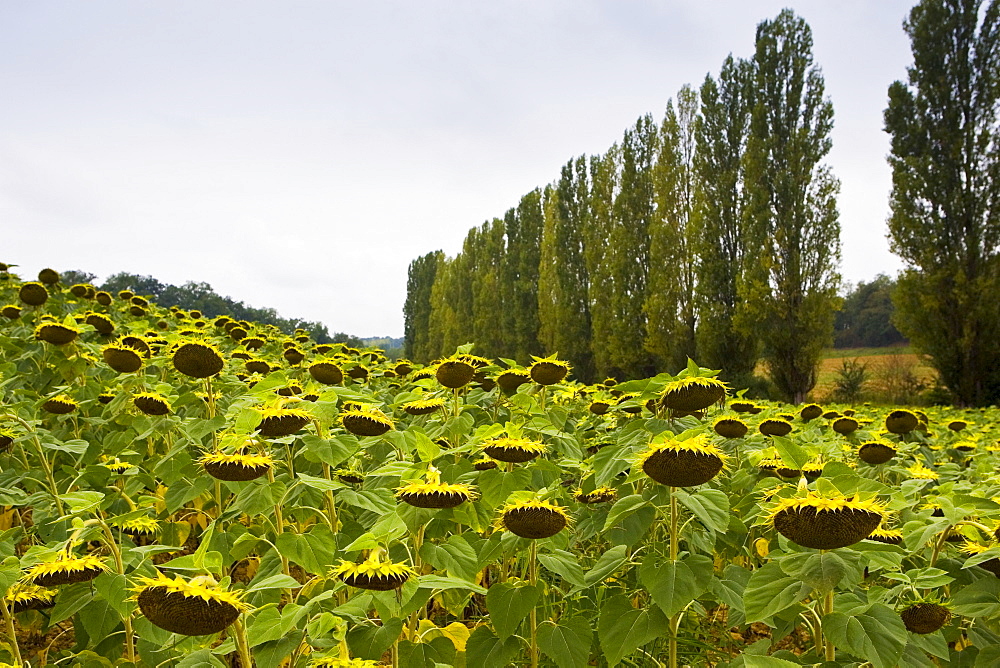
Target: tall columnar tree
column 563, row 307
column 724, row 237
column 601, row 289
column 670, row 307
column 945, row 204
column 792, row 206
column 487, row 300
column 521, row 261
column 417, row 308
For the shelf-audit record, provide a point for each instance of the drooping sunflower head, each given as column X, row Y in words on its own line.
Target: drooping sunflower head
column 957, row 425
column 11, row 311
column 365, row 420
column 810, row 412
column 151, row 403
column 33, row 294
column 876, row 452
column 511, row 379
column 137, row 526
column 56, row 334
column 692, row 394
column 198, row 359
column 845, row 425
column 775, row 427
column 327, row 372
column 598, row 495
column 236, row 467
column 377, row 572
column 65, row 569
column 901, row 421
column 926, row 615
column 279, row 419
column 343, row 662
column 23, row 596
column 196, row 607
column 454, row 373
column 424, row 406
column 513, row 450
column 60, row 405
column 686, row 463
column 826, row 522
column 813, row 469
column 533, row 519
column 432, row 493
column 920, row 472
column 887, row 536
column 548, row 371
column 730, row 427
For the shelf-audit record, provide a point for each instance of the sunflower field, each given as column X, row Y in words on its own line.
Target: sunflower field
column 177, row 490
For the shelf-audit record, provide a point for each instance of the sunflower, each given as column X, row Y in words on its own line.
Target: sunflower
column 137, row 526
column 876, row 452
column 826, row 522
column 292, row 355
column 33, row 294
column 887, row 536
column 278, row 421
column 326, row 372
column 533, row 519
column 236, row 467
column 957, row 425
column 423, row 406
column 901, row 422
column 925, row 617
column 432, row 493
column 920, row 472
column 775, row 427
column 139, row 345
column 810, row 412
column 692, row 394
column 60, row 405
column 454, row 373
column 366, row 421
column 65, row 569
column 118, row 466
column 197, row 607
column 343, row 662
column 256, row 365
column 104, row 298
column 845, row 425
column 402, row 368
column 151, row 403
column 100, row 322
column 484, row 464
column 991, row 565
column 682, row 463
column 812, row 470
column 548, row 371
column 350, row 476
column 22, row 596
column 729, row 427
column 599, row 495
column 198, row 360
column 513, row 450
column 56, row 334
column 6, row 439
column 743, row 406
column 376, row 573
column 599, row 407
column 11, row 312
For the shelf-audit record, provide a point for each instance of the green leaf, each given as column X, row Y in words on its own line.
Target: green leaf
column 82, row 502
column 272, row 654
column 770, row 591
column 99, row 619
column 753, row 661
column 623, row 629
column 609, row 562
column 378, row 501
column 113, row 588
column 673, row 585
column 624, row 507
column 200, row 659
column 565, row 564
column 485, row 650
column 322, row 484
column 440, row 582
column 877, row 636
column 710, row 506
column 455, row 555
column 427, row 449
column 824, row 570
column 792, row 455
column 425, row 654
column 979, row 599
column 496, row 486
column 509, row 604
column 332, row 451
column 313, row 551
column 371, row 642
column 568, row 642
column 10, row 571
column 277, row 581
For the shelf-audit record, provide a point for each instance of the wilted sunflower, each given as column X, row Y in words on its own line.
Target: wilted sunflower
column 729, row 427
column 376, row 573
column 513, row 450
column 484, row 464
column 991, row 565
column 198, row 607
column 292, row 355
column 100, row 322
column 682, row 463
column 65, row 569
column 812, row 470
column 957, row 425
column 845, row 425
column 11, row 312
column 48, row 276
column 198, row 360
column 350, row 476
column 423, row 406
column 876, row 452
column 692, row 394
column 826, row 522
column 511, row 379
column 151, row 403
column 366, row 421
column 775, row 427
column 6, row 439
column 599, row 495
column 137, row 526
column 236, row 467
column 56, row 334
column 278, row 421
column 454, row 373
column 901, row 422
column 548, row 371
column 33, row 294
column 105, row 397
column 743, row 406
column 23, row 596
column 104, row 298
column 121, row 358
column 533, row 519
column 920, row 472
column 925, row 617
column 60, row 405
column 403, row 367
column 599, row 407
column 257, row 365
column 887, row 536
column 432, row 493
column 326, row 372
column 811, row 412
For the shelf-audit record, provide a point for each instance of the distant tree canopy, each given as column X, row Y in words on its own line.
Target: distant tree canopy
column 712, row 234
column 193, row 295
column 865, row 319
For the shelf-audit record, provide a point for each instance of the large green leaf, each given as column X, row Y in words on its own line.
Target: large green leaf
column 455, row 555
column 313, row 551
column 496, row 486
column 877, row 636
column 370, row 642
column 509, row 604
column 770, row 591
column 565, row 564
column 673, row 585
column 607, row 564
column 622, row 629
column 823, row 570
column 710, row 506
column 792, row 455
column 979, row 599
column 485, row 650
column 624, row 507
column 568, row 642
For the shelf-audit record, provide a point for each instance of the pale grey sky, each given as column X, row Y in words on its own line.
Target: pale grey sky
column 298, row 154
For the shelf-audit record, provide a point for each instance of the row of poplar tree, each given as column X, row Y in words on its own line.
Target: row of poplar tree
column 711, row 235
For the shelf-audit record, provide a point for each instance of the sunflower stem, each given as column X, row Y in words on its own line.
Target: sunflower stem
column 279, row 522
column 675, row 620
column 831, row 651
column 109, row 540
column 45, row 465
column 8, row 619
column 533, row 576
column 242, row 646
column 331, row 507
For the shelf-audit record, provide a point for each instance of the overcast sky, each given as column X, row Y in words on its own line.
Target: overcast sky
column 298, row 154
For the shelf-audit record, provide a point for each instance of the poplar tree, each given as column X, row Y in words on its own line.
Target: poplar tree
column 792, row 294
column 417, row 308
column 487, row 300
column 601, row 291
column 945, row 203
column 524, row 240
column 723, row 237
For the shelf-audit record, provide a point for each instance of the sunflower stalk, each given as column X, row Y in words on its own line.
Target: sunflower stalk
column 242, row 646
column 46, row 466
column 116, row 552
column 8, row 619
column 279, row 522
column 675, row 620
column 533, row 577
column 831, row 651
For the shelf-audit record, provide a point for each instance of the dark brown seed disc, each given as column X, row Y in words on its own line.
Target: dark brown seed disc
column 826, row 530
column 101, row 323
column 293, row 355
column 151, row 405
column 681, row 468
column 11, row 312
column 901, row 422
column 484, row 466
column 327, row 373
column 729, row 428
column 531, row 522
column 845, row 425
column 278, row 426
column 234, row 471
column 122, row 360
column 32, row 604
column 509, row 381
column 376, row 582
column 433, row 499
column 188, row 615
column 599, row 407
column 455, row 373
column 422, row 410
column 57, row 335
column 548, row 373
column 810, row 412
column 258, row 366
column 33, row 294
column 66, row 577
column 363, row 425
column 875, row 453
column 595, row 497
column 57, row 407
column 775, row 427
column 511, row 455
column 198, row 360
column 694, row 397
column 924, row 618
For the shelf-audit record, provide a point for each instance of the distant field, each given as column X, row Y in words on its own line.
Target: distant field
column 881, row 364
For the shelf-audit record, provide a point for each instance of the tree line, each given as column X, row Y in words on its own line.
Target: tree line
column 710, row 234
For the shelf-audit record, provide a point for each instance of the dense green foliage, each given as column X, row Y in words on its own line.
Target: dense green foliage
column 865, row 319
column 711, row 234
column 945, row 220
